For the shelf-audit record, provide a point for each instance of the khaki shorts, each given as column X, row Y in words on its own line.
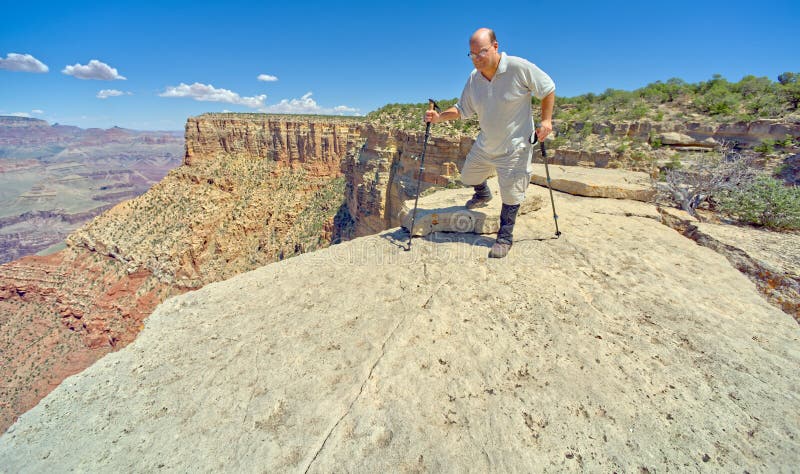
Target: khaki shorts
column 513, row 172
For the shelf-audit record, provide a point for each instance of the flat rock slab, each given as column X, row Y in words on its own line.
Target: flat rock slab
column 621, row 346
column 596, row 182
column 444, row 211
column 777, row 250
column 771, row 259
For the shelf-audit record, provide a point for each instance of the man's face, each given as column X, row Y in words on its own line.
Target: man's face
column 483, row 53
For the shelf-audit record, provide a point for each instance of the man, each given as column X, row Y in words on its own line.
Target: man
column 499, row 91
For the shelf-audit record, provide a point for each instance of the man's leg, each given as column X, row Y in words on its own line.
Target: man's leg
column 475, row 172
column 514, row 175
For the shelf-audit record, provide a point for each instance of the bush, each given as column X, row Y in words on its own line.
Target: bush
column 766, row 202
column 655, row 141
column 638, row 111
column 766, row 147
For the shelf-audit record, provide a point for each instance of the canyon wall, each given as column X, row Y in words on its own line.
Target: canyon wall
column 59, row 314
column 252, row 190
column 383, row 173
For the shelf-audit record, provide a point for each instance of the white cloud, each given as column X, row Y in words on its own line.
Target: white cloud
column 94, row 70
column 209, row 93
column 307, row 105
column 37, row 111
column 106, row 93
column 267, row 78
column 20, row 114
column 23, row 63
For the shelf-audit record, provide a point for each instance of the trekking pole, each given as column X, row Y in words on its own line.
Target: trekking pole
column 547, row 172
column 431, row 106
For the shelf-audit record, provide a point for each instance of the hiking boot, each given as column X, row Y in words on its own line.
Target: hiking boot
column 508, row 217
column 499, row 250
column 481, row 197
column 477, row 202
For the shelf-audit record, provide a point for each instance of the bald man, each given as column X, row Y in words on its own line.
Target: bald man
column 499, row 92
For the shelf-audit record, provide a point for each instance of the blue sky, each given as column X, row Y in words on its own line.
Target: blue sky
column 353, row 57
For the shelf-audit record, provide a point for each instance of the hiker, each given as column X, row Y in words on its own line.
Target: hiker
column 499, row 91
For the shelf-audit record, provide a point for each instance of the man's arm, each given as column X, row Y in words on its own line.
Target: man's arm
column 452, row 113
column 546, row 125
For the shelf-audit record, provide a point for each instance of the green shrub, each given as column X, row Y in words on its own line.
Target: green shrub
column 655, row 141
column 766, row 202
column 674, row 163
column 766, row 146
column 787, row 142
column 587, row 129
column 718, row 100
column 638, row 111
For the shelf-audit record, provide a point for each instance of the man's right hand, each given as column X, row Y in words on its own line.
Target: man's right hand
column 431, row 116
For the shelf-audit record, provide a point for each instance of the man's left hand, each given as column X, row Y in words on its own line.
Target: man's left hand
column 545, row 127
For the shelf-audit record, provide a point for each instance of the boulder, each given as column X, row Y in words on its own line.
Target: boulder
column 444, row 211
column 681, row 140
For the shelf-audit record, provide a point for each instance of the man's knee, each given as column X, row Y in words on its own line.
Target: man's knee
column 512, row 188
column 473, row 180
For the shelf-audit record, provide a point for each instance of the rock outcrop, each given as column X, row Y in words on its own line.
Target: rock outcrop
column 744, row 133
column 622, row 346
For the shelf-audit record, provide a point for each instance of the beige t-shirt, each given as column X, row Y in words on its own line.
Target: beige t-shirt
column 503, row 105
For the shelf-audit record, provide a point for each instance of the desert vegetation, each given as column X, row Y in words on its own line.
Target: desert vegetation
column 716, row 100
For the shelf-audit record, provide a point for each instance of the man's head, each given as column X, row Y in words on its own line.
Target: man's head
column 483, row 50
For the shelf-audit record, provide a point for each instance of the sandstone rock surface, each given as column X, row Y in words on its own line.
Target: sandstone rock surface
column 770, row 259
column 444, row 211
column 622, row 346
column 596, row 182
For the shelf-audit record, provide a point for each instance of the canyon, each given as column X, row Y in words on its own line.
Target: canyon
column 55, row 178
column 252, row 189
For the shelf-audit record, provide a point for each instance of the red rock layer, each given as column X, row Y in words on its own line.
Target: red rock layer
column 60, row 313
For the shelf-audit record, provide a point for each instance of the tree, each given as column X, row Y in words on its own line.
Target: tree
column 788, row 78
column 790, row 88
column 691, row 187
